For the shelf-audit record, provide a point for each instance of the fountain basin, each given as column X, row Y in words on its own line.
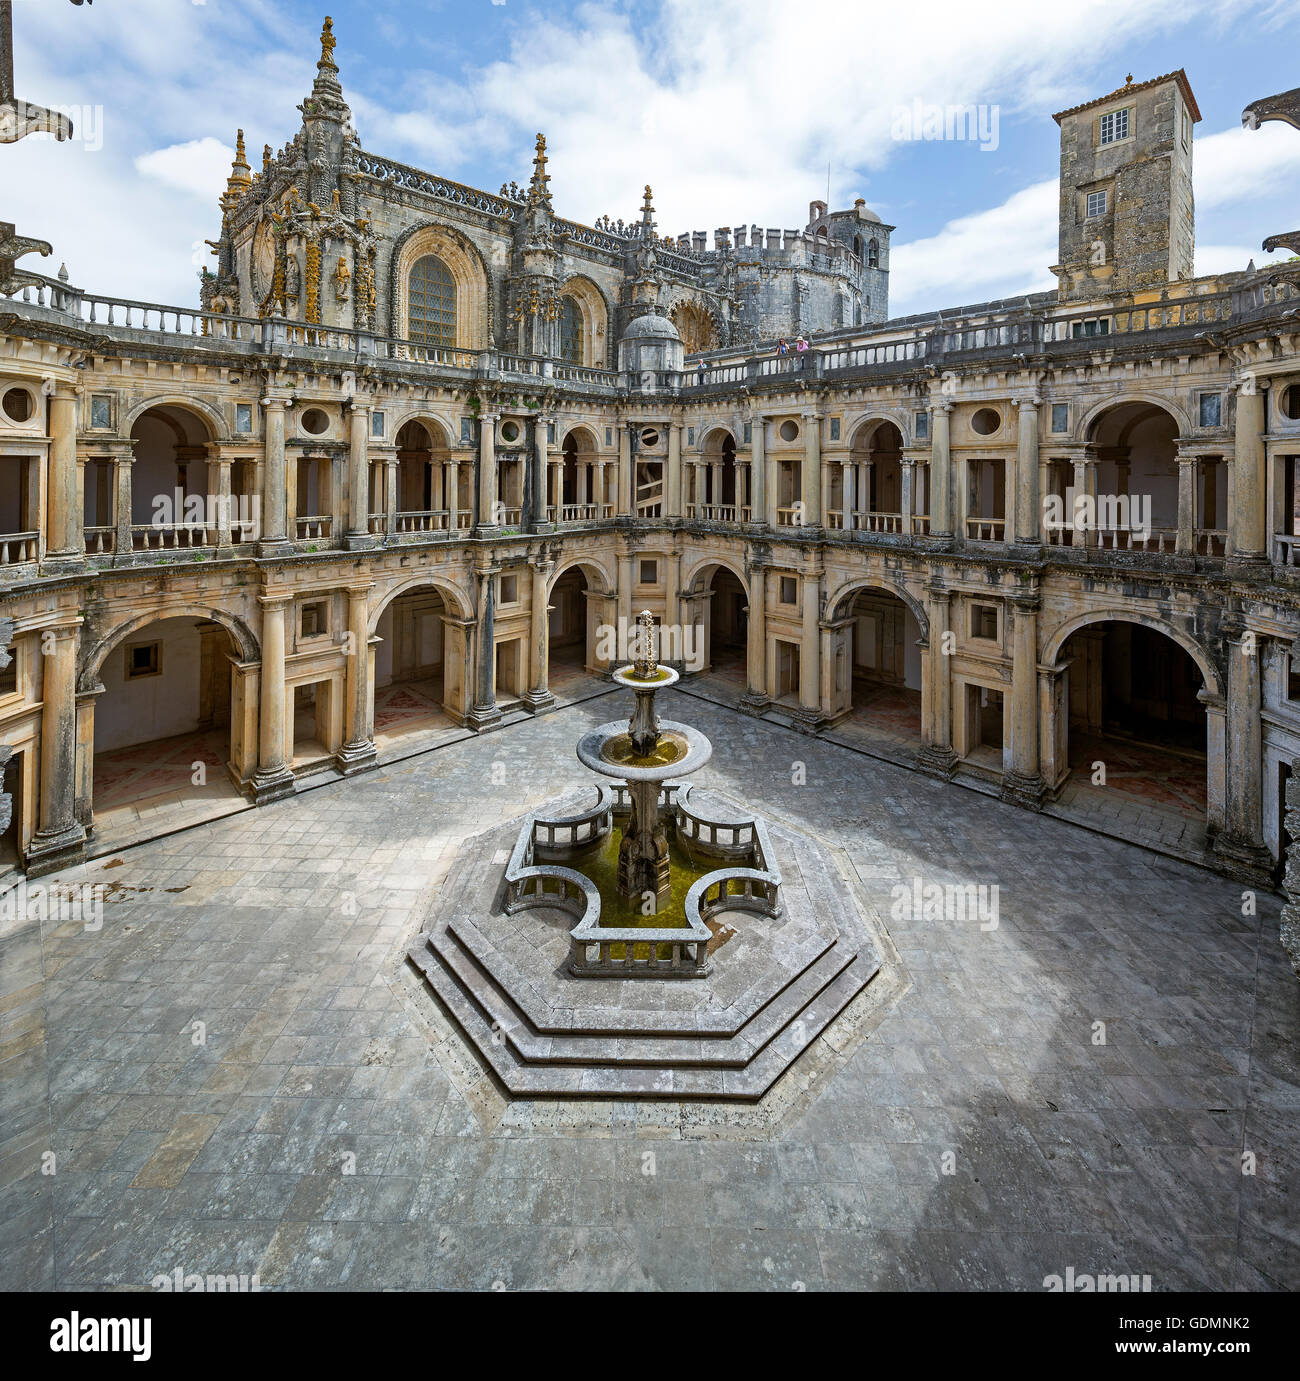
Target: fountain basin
column 607, row 749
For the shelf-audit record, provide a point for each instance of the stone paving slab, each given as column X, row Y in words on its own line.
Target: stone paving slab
column 1123, row 1157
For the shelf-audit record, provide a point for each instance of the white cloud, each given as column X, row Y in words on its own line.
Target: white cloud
column 199, row 166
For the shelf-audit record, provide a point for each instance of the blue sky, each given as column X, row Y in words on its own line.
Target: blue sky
column 731, row 109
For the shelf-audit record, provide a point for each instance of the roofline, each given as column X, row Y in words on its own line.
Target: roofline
column 1129, row 87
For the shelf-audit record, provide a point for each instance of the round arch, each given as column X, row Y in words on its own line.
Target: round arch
column 603, row 584
column 581, row 431
column 693, row 583
column 436, row 424
column 871, row 422
column 246, row 643
column 1089, row 420
column 202, row 411
column 838, row 602
column 715, row 434
column 457, row 603
column 468, row 270
column 593, row 307
column 1204, row 664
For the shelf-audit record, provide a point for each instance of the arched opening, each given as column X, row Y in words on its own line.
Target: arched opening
column 696, row 328
column 886, row 670
column 1136, row 730
column 715, row 637
column 164, row 732
column 715, row 492
column 873, row 253
column 579, row 499
column 415, row 679
column 431, row 303
column 867, row 492
column 570, row 656
column 169, row 486
column 424, row 483
column 571, row 330
column 857, row 246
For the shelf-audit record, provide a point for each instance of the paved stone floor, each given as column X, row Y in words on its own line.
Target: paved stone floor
column 232, row 1076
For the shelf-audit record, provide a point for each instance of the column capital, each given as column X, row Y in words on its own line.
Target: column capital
column 1028, row 402
column 942, row 404
column 276, row 404
column 275, row 599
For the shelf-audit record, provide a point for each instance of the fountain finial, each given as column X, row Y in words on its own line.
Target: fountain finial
column 646, row 665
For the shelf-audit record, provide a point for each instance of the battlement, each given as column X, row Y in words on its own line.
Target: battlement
column 776, row 245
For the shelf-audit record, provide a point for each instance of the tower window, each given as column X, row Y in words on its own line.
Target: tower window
column 570, row 331
column 873, row 254
column 431, row 314
column 1113, row 127
column 1096, row 203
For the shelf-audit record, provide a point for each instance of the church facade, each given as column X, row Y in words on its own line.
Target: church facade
column 427, row 437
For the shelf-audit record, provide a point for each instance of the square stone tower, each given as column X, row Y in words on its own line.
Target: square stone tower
column 1126, row 219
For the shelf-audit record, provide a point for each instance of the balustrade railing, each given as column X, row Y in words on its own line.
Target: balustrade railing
column 313, row 526
column 986, row 529
column 1286, row 549
column 170, row 537
column 18, row 547
column 100, row 540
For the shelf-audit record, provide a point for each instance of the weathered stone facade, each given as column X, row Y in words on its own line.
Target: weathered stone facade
column 462, row 506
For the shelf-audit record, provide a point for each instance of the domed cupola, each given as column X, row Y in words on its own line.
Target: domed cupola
column 650, row 344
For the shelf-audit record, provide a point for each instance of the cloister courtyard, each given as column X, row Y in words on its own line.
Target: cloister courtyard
column 240, row 1073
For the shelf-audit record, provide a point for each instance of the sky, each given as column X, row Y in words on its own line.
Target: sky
column 735, row 111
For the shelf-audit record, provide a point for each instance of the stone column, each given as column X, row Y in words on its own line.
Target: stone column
column 763, row 508
column 273, row 778
column 67, row 544
column 1248, row 534
column 936, row 755
column 483, row 713
column 358, row 533
column 1024, row 783
column 487, row 476
column 61, row 838
column 541, row 441
column 1026, row 505
column 1185, row 543
column 358, row 751
column 755, row 697
column 908, row 503
column 1085, row 483
column 626, row 485
column 810, row 649
column 810, row 489
column 452, row 483
column 673, row 501
column 122, row 504
column 624, row 601
column 275, row 480
column 221, row 492
column 1240, row 846
column 940, row 470
column 538, row 697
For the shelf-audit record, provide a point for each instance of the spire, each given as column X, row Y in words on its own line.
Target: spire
column 539, row 191
column 240, row 179
column 647, row 214
column 326, row 97
column 327, row 44
column 266, row 161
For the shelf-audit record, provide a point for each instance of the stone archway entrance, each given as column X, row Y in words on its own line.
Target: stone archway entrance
column 570, row 655
column 416, row 679
column 728, row 627
column 886, row 670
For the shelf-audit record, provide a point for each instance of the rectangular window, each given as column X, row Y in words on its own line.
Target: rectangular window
column 9, row 674
column 1211, row 409
column 101, row 410
column 1060, row 417
column 377, row 422
column 835, row 428
column 789, row 590
column 649, row 573
column 143, row 659
column 509, row 589
column 749, row 433
column 243, row 417
column 922, row 426
column 550, row 433
column 609, row 436
column 312, row 620
column 1292, row 679
column 984, row 622
column 466, row 430
column 1114, row 127
column 1094, row 326
column 1096, row 203
column 1187, row 130
column 690, row 436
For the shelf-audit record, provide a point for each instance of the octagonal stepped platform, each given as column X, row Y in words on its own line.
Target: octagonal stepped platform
column 776, row 985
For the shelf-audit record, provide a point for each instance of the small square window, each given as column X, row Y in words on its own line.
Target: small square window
column 9, row 674
column 101, row 410
column 1096, row 203
column 312, row 620
column 1060, row 417
column 143, row 659
column 1211, row 409
column 835, row 428
column 1113, row 127
column 509, row 589
column 789, row 590
column 377, row 423
column 984, row 622
column 649, row 573
column 922, row 426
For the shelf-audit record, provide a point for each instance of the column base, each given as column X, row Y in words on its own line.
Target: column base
column 55, row 849
column 1023, row 791
column 539, row 701
column 354, row 758
column 1289, row 932
column 934, row 541
column 936, row 762
column 1025, row 551
column 273, row 785
column 1249, row 564
column 482, row 717
column 274, row 546
column 64, row 563
column 486, row 530
column 542, row 527
column 359, row 541
column 807, row 720
column 752, row 703
column 1244, row 860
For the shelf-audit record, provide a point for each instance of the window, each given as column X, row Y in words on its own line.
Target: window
column 984, row 622
column 377, row 422
column 315, row 422
column 143, row 659
column 509, row 589
column 550, row 433
column 1094, row 326
column 510, row 430
column 1290, row 404
column 835, row 428
column 1113, row 127
column 1096, row 203
column 690, row 436
column 986, row 421
column 9, row 674
column 609, row 436
column 17, row 404
column 243, row 417
column 922, row 426
column 649, row 573
column 789, row 590
column 1211, row 409
column 101, row 410
column 1060, row 417
column 649, row 438
column 570, row 331
column 1292, row 679
column 431, row 312
column 1187, row 130
column 313, row 620
column 873, row 254
column 749, row 433
column 789, row 431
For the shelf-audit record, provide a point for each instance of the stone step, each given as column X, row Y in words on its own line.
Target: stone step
column 665, row 1050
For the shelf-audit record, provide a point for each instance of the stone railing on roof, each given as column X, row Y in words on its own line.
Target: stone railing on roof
column 385, row 170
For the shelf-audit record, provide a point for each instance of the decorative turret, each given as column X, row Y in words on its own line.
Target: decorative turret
column 535, row 311
column 647, row 215
column 241, row 178
column 327, row 123
column 539, row 188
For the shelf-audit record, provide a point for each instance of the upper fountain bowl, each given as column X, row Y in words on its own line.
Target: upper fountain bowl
column 659, row 679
